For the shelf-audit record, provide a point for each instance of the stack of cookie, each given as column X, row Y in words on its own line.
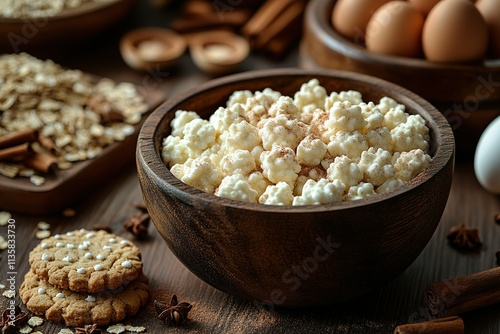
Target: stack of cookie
column 85, row 277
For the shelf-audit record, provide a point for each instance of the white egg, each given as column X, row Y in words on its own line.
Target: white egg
column 487, row 158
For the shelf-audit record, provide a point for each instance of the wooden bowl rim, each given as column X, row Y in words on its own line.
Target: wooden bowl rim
column 199, row 41
column 69, row 13
column 174, row 42
column 162, row 176
column 342, row 45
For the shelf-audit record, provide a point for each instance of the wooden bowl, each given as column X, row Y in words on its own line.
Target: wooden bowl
column 323, row 47
column 151, row 48
column 294, row 256
column 218, row 52
column 46, row 36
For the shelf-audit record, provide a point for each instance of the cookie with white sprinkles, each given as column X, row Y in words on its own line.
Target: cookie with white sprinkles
column 86, row 261
column 79, row 309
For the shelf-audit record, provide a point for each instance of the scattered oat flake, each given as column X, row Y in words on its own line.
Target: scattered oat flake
column 35, row 321
column 26, row 329
column 136, row 329
column 43, row 225
column 3, row 243
column 37, row 180
column 9, row 294
column 118, row 328
column 2, row 286
column 65, row 331
column 4, row 218
column 42, row 234
column 37, row 332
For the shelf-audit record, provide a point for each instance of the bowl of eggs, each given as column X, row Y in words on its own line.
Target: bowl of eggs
column 422, row 45
column 293, row 187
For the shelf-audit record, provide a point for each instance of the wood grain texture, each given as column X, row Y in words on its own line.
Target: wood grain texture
column 326, row 48
column 398, row 302
column 310, row 251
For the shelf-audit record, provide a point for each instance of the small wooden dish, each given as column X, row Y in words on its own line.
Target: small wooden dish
column 218, row 52
column 250, row 250
column 49, row 36
column 323, row 47
column 151, row 48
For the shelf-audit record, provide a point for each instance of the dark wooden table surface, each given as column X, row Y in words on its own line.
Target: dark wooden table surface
column 400, row 301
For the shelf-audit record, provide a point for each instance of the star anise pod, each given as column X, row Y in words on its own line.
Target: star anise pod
column 497, row 254
column 138, row 224
column 173, row 313
column 88, row 329
column 497, row 218
column 464, row 238
column 12, row 323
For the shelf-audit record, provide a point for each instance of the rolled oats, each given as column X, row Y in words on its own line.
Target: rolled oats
column 42, row 95
column 4, row 217
column 35, row 321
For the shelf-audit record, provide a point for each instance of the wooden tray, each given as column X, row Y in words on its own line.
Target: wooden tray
column 65, row 187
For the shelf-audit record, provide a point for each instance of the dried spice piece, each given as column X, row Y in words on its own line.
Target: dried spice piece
column 463, row 294
column 497, row 254
column 138, row 224
column 449, row 325
column 88, row 329
column 464, row 238
column 497, row 218
column 10, row 325
column 173, row 313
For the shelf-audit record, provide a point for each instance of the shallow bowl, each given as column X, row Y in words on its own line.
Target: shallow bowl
column 294, row 256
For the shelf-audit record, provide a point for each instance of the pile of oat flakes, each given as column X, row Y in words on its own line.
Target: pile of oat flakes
column 67, row 106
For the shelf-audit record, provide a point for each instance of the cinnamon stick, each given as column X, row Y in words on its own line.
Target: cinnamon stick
column 264, row 16
column 449, row 325
column 463, row 294
column 18, row 138
column 41, row 162
column 15, row 152
column 48, row 144
column 281, row 23
column 233, row 19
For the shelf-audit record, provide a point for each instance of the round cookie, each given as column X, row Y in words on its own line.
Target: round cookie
column 86, row 261
column 79, row 309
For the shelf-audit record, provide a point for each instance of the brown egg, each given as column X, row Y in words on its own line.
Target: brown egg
column 350, row 17
column 395, row 29
column 424, row 6
column 454, row 31
column 490, row 9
